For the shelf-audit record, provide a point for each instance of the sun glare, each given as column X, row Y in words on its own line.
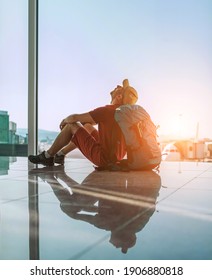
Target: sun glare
column 175, row 127
column 180, row 127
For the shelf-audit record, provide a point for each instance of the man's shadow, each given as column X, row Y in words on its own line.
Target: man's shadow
column 119, row 202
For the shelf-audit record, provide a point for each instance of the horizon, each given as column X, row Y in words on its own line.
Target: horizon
column 164, row 137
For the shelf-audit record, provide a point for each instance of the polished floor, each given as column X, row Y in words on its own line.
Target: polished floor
column 76, row 212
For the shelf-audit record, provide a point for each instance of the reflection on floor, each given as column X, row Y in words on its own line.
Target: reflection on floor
column 74, row 212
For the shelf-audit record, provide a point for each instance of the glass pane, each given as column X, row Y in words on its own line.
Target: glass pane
column 13, row 128
column 13, row 77
column 86, row 48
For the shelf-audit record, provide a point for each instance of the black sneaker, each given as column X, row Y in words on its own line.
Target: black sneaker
column 41, row 159
column 59, row 159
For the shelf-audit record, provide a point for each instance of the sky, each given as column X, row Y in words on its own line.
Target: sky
column 86, row 48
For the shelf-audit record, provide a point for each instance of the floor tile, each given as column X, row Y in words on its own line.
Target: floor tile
column 75, row 212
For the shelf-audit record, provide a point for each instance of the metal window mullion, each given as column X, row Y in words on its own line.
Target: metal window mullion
column 33, row 126
column 32, row 76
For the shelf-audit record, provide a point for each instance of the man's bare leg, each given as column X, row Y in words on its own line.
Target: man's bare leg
column 64, row 138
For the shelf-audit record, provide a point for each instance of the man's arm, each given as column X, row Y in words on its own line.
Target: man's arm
column 82, row 118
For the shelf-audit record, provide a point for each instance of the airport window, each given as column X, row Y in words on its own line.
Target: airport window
column 13, row 77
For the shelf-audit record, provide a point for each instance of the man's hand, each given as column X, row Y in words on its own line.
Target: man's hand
column 63, row 124
column 69, row 119
column 82, row 118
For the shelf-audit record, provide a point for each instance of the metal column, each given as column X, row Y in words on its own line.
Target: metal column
column 32, row 76
column 33, row 126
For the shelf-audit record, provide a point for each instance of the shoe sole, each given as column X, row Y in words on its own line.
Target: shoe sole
column 45, row 164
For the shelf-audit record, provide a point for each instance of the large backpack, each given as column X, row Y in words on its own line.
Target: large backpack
column 143, row 151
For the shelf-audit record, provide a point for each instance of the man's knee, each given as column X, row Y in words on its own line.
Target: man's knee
column 73, row 127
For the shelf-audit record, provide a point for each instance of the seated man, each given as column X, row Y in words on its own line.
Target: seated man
column 77, row 131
